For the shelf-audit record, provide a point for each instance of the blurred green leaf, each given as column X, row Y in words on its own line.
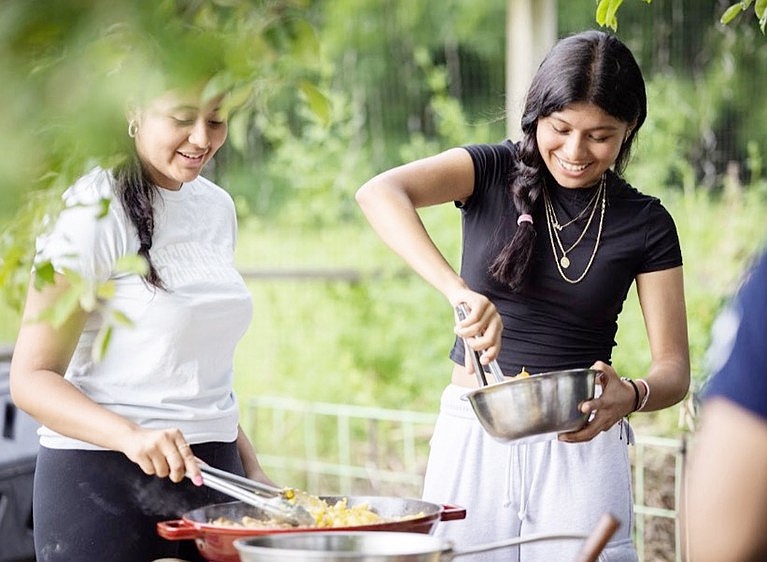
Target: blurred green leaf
column 44, row 274
column 121, row 318
column 103, row 207
column 132, row 264
column 105, row 290
column 101, row 343
column 88, row 299
column 63, row 307
column 760, row 11
column 238, row 97
column 317, row 101
column 306, row 46
column 239, row 126
column 221, row 83
column 730, row 13
column 606, row 13
column 71, row 69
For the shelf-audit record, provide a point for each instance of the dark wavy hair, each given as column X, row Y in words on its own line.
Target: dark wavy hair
column 137, row 195
column 593, row 67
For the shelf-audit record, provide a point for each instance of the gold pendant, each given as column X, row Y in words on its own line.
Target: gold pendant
column 564, row 261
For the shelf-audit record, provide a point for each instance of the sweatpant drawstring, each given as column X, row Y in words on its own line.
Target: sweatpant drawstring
column 507, row 500
column 524, row 493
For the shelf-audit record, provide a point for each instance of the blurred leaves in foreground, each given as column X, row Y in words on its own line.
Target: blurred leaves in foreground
column 607, row 12
column 70, row 70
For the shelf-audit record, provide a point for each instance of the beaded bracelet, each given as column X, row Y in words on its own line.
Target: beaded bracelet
column 636, row 393
column 646, row 395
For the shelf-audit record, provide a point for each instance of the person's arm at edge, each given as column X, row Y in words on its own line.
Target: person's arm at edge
column 724, row 505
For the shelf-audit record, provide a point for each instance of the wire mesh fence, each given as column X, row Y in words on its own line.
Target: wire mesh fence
column 338, row 449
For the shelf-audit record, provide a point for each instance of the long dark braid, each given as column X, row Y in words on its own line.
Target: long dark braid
column 137, row 195
column 593, row 67
column 512, row 263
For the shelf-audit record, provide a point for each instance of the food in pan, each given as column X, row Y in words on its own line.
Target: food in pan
column 339, row 514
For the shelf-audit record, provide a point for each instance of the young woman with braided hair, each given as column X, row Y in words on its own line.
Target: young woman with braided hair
column 553, row 239
column 120, row 434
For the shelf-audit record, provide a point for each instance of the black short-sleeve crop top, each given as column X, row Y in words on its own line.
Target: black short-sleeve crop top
column 550, row 323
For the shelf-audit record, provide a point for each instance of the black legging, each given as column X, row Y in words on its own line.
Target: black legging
column 98, row 506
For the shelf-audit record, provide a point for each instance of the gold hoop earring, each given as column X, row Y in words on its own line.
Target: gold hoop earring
column 132, row 128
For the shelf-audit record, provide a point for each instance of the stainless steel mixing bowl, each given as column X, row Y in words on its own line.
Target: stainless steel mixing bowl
column 538, row 404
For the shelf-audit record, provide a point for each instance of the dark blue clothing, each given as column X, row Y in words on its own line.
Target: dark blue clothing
column 738, row 353
column 552, row 324
column 88, row 489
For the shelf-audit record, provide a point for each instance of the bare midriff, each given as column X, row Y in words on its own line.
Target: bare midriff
column 462, row 378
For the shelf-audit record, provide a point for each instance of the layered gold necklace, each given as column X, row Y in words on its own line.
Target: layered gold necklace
column 555, row 227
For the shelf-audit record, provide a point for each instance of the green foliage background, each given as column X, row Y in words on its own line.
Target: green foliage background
column 330, row 93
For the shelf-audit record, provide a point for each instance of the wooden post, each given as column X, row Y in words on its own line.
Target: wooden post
column 531, row 30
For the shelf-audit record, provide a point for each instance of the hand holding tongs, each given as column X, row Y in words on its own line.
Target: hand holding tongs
column 462, row 312
column 271, row 500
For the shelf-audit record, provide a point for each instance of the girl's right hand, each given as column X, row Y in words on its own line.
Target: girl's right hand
column 164, row 453
column 482, row 328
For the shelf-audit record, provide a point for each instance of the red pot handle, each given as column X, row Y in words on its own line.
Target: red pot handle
column 452, row 512
column 177, row 530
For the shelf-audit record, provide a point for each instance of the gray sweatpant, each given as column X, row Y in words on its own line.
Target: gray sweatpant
column 535, row 485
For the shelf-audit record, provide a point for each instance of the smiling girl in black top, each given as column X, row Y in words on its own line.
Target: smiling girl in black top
column 553, row 239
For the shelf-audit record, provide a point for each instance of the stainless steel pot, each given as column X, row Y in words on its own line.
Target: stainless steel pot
column 362, row 546
column 538, row 404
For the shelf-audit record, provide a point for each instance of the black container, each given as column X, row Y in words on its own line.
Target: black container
column 18, row 453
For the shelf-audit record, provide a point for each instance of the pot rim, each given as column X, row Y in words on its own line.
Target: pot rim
column 493, row 387
column 431, row 545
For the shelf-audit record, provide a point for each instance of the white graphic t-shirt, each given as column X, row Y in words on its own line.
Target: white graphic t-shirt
column 173, row 367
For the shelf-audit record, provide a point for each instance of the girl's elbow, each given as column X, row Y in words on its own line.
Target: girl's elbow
column 683, row 388
column 17, row 390
column 362, row 195
column 369, row 192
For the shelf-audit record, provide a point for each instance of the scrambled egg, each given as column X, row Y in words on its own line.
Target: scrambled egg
column 340, row 514
column 325, row 515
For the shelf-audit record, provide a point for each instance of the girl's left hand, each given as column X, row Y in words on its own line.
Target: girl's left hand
column 615, row 403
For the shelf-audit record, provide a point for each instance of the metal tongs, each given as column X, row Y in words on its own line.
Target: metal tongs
column 269, row 499
column 462, row 312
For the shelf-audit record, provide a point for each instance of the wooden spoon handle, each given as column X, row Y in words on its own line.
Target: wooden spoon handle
column 598, row 538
